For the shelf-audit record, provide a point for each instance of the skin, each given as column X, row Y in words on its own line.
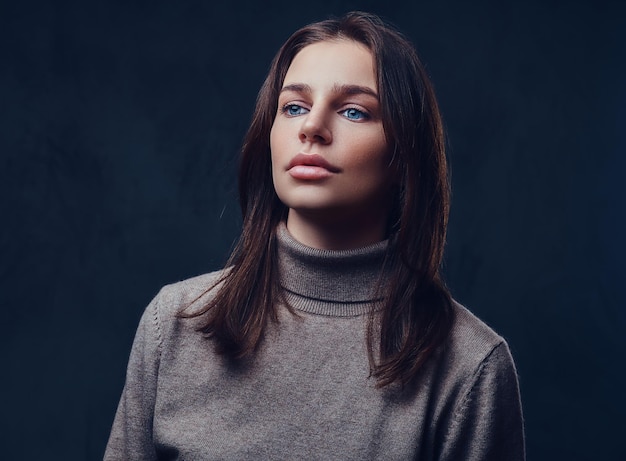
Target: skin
column 329, row 115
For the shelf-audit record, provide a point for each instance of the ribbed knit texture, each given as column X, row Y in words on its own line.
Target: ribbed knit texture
column 307, row 393
column 326, row 282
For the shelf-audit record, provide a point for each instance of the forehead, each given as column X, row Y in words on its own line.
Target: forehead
column 327, row 63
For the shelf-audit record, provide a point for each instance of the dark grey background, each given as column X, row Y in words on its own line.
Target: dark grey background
column 120, row 122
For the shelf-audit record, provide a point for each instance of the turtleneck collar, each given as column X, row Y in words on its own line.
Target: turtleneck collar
column 329, row 282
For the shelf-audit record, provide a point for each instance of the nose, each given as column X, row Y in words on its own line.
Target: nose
column 315, row 128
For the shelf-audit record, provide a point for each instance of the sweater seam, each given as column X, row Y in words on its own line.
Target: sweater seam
column 477, row 374
column 157, row 326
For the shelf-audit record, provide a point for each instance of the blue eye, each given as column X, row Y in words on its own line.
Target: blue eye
column 354, row 114
column 294, row 110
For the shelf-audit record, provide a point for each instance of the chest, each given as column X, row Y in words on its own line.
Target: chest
column 307, row 395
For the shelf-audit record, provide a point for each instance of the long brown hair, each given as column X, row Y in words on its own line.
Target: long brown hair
column 417, row 308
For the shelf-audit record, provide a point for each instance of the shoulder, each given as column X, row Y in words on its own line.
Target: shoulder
column 479, row 393
column 474, row 367
column 180, row 297
column 471, row 333
column 473, row 345
column 188, row 293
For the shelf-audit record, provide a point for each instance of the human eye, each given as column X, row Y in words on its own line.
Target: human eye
column 353, row 113
column 293, row 110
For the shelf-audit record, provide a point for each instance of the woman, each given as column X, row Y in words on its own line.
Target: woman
column 331, row 334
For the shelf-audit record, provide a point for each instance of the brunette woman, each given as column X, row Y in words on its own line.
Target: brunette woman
column 330, row 334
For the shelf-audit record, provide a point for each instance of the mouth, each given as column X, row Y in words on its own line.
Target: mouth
column 312, row 161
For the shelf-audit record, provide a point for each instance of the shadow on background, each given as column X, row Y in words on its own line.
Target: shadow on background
column 120, row 123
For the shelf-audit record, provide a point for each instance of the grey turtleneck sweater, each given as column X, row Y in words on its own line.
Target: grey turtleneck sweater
column 307, row 394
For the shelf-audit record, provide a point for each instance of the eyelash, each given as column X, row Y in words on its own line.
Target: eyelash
column 286, row 107
column 363, row 115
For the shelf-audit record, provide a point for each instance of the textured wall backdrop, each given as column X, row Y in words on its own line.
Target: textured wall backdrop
column 120, row 123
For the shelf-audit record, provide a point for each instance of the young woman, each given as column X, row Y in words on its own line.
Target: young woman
column 330, row 334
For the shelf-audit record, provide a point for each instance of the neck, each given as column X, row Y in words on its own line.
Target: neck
column 329, row 282
column 336, row 232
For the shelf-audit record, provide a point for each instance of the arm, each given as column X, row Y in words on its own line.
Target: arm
column 488, row 424
column 131, row 434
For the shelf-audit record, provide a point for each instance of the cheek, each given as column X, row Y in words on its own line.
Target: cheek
column 278, row 139
column 371, row 156
column 272, row 139
column 276, row 148
column 374, row 171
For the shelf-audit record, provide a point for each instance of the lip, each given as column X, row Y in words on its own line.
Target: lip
column 311, row 167
column 312, row 160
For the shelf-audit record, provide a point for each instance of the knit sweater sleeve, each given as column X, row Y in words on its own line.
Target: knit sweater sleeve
column 487, row 424
column 131, row 434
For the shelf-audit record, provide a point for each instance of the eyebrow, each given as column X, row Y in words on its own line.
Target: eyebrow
column 337, row 88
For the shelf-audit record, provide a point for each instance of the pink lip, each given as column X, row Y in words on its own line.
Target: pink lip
column 310, row 167
column 312, row 160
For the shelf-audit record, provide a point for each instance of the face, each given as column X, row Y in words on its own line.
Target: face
column 329, row 154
